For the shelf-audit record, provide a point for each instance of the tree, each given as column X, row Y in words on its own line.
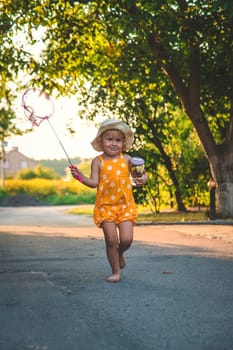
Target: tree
column 182, row 48
column 11, row 61
column 178, row 166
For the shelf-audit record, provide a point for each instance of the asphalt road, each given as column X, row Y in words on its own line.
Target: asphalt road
column 176, row 292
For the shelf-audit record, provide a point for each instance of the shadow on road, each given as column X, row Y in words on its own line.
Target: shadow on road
column 54, row 296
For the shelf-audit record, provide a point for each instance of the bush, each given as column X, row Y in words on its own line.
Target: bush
column 52, row 191
column 38, row 172
column 3, row 194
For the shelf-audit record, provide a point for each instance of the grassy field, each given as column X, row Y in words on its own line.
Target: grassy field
column 144, row 215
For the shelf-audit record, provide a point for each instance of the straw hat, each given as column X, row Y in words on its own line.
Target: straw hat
column 113, row 124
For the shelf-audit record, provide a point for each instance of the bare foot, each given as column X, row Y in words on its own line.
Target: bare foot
column 122, row 261
column 115, row 277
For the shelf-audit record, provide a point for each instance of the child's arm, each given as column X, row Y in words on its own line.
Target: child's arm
column 91, row 181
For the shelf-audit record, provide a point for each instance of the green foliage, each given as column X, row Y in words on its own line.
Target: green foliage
column 38, row 172
column 3, row 194
column 26, row 174
column 51, row 191
column 7, row 126
column 174, row 159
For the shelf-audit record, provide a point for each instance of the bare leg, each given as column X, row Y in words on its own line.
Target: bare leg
column 111, row 241
column 126, row 238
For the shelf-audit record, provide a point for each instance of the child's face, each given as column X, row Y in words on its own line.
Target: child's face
column 113, row 142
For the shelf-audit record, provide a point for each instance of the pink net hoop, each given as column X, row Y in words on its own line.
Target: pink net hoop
column 37, row 105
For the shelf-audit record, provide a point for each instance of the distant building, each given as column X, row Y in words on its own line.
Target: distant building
column 16, row 161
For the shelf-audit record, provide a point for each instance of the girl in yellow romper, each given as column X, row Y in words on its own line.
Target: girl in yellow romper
column 115, row 211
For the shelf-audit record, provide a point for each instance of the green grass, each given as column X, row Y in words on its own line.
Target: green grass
column 145, row 216
column 172, row 217
column 82, row 210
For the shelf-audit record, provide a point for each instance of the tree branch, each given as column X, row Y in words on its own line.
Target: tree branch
column 168, row 67
column 194, row 77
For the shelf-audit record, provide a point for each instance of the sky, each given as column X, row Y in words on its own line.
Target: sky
column 42, row 143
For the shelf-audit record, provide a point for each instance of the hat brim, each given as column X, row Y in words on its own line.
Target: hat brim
column 113, row 124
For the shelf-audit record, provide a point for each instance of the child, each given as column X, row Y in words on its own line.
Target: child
column 115, row 210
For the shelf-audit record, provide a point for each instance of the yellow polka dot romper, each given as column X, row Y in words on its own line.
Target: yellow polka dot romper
column 114, row 198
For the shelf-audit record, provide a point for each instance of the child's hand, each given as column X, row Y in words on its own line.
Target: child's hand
column 75, row 173
column 140, row 181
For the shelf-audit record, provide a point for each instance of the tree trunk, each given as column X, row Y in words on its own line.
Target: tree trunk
column 179, row 200
column 225, row 199
column 220, row 159
column 222, row 172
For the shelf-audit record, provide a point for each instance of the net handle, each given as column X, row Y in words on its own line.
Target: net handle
column 67, row 156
